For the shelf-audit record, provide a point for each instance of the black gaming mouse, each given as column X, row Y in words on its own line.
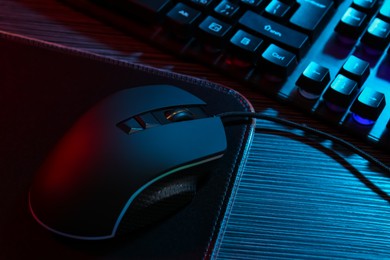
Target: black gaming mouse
column 130, row 161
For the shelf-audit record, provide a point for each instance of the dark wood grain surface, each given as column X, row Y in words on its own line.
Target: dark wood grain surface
column 297, row 197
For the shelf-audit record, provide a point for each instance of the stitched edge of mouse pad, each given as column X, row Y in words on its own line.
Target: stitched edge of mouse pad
column 41, row 99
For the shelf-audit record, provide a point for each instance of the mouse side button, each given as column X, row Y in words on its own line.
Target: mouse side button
column 130, row 126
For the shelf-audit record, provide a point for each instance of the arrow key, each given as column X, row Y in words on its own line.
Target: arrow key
column 377, row 35
column 367, row 6
column 340, row 93
column 368, row 106
column 356, row 69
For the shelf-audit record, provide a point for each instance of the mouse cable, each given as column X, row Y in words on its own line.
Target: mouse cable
column 309, row 129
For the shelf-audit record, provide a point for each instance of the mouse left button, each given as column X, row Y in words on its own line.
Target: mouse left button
column 130, row 126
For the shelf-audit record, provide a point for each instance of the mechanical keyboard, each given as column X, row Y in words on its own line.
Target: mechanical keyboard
column 327, row 57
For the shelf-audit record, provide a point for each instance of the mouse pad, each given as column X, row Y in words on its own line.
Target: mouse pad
column 45, row 88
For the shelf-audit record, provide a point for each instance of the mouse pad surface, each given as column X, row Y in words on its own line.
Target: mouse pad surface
column 45, row 88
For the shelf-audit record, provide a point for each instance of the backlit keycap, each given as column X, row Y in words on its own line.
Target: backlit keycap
column 313, row 80
column 377, row 35
column 279, row 61
column 368, row 106
column 352, row 23
column 356, row 69
column 340, row 93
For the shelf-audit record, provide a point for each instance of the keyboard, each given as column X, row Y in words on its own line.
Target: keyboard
column 330, row 58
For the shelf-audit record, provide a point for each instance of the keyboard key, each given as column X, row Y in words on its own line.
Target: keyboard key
column 384, row 12
column 340, row 93
column 252, row 4
column 312, row 16
column 246, row 46
column 279, row 34
column 182, row 18
column 368, row 105
column 352, row 23
column 214, row 31
column 356, row 69
column 277, row 9
column 278, row 61
column 226, row 9
column 377, row 35
column 366, row 6
column 313, row 80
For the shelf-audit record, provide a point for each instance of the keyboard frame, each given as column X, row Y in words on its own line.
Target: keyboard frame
column 325, row 50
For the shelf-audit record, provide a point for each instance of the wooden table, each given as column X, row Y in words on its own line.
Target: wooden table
column 295, row 198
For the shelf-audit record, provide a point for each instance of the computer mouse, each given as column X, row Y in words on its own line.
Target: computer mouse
column 131, row 160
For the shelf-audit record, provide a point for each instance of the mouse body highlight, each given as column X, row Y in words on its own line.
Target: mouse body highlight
column 129, row 161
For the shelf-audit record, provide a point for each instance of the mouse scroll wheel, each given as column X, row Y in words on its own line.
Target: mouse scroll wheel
column 179, row 114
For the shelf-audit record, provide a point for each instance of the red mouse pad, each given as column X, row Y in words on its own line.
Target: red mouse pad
column 45, row 89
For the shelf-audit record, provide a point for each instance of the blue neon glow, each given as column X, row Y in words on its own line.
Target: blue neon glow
column 132, row 198
column 62, row 233
column 362, row 120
